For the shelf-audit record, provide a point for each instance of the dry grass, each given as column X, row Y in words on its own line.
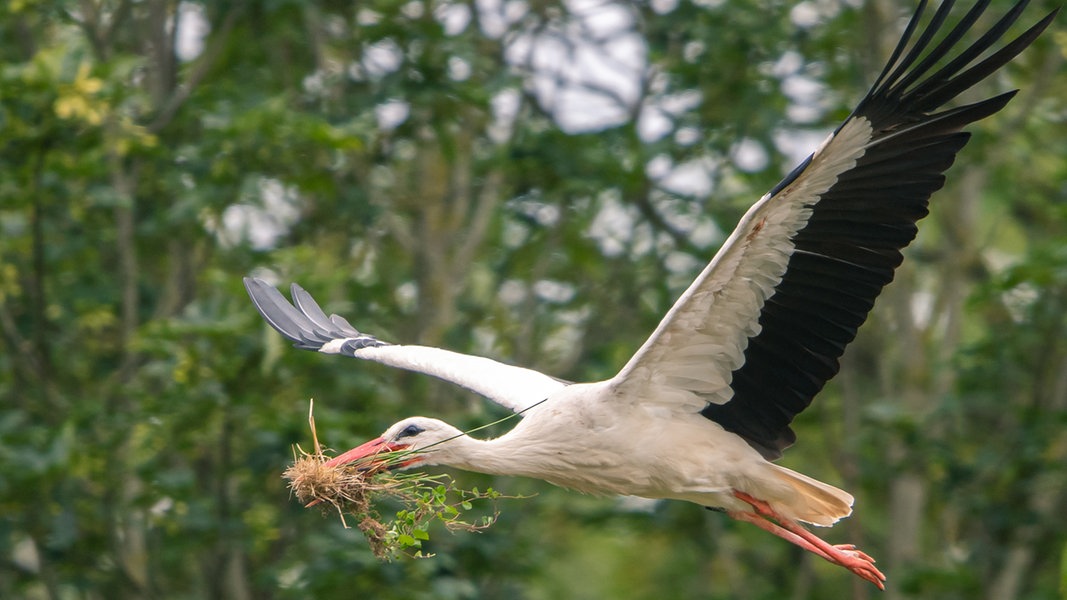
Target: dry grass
column 347, row 489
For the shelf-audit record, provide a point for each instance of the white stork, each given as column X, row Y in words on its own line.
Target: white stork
column 704, row 406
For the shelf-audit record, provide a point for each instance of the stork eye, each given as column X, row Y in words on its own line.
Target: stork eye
column 409, row 431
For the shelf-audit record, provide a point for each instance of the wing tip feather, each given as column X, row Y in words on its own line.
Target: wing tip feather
column 301, row 321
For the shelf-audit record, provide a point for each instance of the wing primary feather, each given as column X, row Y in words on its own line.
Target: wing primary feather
column 302, row 322
column 929, row 32
column 952, row 88
column 905, row 37
column 945, row 74
column 311, row 309
column 945, row 45
column 279, row 314
column 343, row 325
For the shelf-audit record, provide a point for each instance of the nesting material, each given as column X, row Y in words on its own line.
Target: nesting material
column 313, row 482
column 352, row 489
column 345, row 488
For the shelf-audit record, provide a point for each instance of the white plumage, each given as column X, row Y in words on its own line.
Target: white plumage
column 704, row 406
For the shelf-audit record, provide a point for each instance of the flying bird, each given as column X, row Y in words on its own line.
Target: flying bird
column 704, row 407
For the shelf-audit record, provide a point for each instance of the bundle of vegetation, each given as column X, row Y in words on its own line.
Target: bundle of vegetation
column 356, row 489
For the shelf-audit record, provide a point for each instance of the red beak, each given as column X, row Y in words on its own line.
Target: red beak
column 375, row 446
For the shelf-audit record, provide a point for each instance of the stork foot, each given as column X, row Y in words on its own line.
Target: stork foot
column 859, row 563
column 851, row 549
column 845, row 555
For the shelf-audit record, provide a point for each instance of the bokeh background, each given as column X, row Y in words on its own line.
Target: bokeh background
column 530, row 180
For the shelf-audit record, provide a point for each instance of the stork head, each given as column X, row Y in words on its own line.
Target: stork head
column 426, row 438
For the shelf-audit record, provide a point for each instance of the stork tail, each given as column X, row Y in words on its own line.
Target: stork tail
column 813, row 502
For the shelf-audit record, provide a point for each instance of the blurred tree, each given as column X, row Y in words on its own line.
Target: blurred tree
column 514, row 179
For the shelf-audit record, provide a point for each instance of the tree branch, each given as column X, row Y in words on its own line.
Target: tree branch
column 207, row 60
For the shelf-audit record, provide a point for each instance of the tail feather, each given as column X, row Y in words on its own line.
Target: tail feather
column 813, row 502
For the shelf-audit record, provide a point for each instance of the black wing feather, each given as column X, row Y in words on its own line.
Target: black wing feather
column 303, row 322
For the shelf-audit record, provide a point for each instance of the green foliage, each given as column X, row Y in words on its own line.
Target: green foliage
column 148, row 412
column 443, row 503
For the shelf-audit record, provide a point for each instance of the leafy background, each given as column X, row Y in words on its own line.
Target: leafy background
column 450, row 173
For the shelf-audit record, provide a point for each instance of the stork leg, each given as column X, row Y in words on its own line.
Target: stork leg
column 845, row 555
column 789, row 536
column 766, row 525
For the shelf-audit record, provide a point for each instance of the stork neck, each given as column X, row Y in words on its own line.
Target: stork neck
column 493, row 457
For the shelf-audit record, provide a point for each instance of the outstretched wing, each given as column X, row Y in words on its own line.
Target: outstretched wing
column 762, row 328
column 308, row 327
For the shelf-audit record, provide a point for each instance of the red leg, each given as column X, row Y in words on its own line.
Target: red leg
column 845, row 555
column 770, row 526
